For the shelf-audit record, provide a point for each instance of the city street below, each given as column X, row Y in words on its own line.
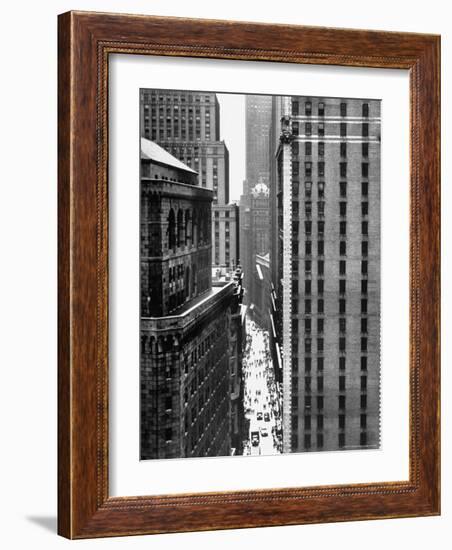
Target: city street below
column 262, row 399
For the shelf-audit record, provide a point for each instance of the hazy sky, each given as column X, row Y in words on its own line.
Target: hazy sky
column 232, row 131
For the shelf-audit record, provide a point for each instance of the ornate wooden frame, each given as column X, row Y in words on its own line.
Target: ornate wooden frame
column 85, row 42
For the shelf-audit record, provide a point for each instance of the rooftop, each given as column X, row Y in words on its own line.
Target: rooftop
column 151, row 151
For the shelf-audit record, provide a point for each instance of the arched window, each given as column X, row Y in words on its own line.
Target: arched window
column 171, row 229
column 187, row 227
column 180, row 227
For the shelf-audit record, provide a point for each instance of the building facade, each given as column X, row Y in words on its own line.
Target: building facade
column 188, row 329
column 326, row 275
column 187, row 125
column 226, row 237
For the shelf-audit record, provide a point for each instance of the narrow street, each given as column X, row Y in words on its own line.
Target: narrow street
column 262, row 404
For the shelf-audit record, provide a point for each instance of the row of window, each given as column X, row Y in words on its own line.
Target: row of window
column 321, row 108
column 308, row 127
column 321, row 148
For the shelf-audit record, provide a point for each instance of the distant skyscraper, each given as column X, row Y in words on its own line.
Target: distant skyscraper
column 326, row 270
column 258, row 120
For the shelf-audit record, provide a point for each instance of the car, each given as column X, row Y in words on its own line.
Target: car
column 266, row 417
column 264, row 432
column 259, row 415
column 254, row 439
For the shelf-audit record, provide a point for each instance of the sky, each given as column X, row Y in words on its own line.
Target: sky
column 232, row 131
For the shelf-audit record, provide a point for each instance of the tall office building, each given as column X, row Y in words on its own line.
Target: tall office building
column 187, row 125
column 258, row 111
column 326, row 275
column 190, row 329
column 226, row 235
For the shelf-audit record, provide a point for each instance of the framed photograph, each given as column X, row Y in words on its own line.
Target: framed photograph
column 249, row 260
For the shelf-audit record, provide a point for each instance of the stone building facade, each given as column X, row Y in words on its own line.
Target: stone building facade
column 326, row 276
column 188, row 331
column 226, row 237
column 187, row 125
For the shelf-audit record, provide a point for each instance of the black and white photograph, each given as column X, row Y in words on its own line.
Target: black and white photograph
column 259, row 274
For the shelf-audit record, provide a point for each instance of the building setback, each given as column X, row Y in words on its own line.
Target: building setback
column 325, row 200
column 188, row 327
column 187, row 125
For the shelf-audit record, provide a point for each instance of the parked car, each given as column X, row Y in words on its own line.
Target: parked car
column 264, row 432
column 255, row 439
column 259, row 415
column 266, row 417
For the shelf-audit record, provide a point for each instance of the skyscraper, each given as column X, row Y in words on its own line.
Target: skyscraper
column 189, row 327
column 326, row 275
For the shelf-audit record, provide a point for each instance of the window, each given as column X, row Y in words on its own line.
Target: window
column 320, row 402
column 307, row 364
column 308, row 128
column 342, row 343
column 307, row 384
column 364, row 325
column 363, row 401
column 364, row 286
column 320, row 283
column 343, row 109
column 308, row 208
column 341, row 382
column 342, row 286
column 343, row 149
column 365, row 169
column 342, row 402
column 320, row 383
column 168, row 434
column 308, row 266
column 295, row 168
column 294, row 422
column 321, row 149
column 365, row 149
column 365, row 208
column 320, row 306
column 342, row 248
column 321, row 129
column 307, row 287
column 342, row 324
column 342, row 363
column 308, row 188
column 363, row 344
column 307, row 422
column 343, row 169
column 363, row 421
column 320, row 248
column 295, row 128
column 321, row 188
column 365, row 188
column 364, row 266
column 364, row 248
column 320, row 324
column 307, row 345
column 307, row 306
column 307, row 402
column 308, row 148
column 342, row 267
column 343, row 129
column 321, row 228
column 364, row 362
column 320, row 267
column 295, row 147
column 321, row 169
column 365, row 228
column 168, row 403
column 307, row 441
column 343, row 188
column 307, row 324
column 307, row 248
column 364, row 305
column 321, row 208
column 342, row 305
column 363, row 382
column 365, row 109
column 363, row 438
column 308, row 169
column 341, row 421
column 343, row 208
column 295, row 107
column 365, row 129
column 308, row 108
column 342, row 228
column 321, row 108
